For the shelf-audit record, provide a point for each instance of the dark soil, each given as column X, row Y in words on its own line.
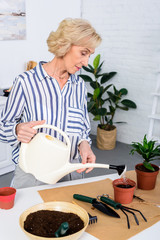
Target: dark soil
column 106, row 127
column 143, row 169
column 124, row 186
column 45, row 223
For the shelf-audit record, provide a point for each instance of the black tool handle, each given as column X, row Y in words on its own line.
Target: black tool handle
column 110, row 202
column 83, row 198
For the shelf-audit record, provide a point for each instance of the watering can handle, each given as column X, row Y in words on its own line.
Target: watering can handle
column 56, row 129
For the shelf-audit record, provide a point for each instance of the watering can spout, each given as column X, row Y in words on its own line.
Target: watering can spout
column 54, row 177
column 121, row 169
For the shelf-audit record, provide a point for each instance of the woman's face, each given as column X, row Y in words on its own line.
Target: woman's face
column 77, row 57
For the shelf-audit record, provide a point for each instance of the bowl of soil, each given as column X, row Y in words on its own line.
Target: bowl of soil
column 43, row 221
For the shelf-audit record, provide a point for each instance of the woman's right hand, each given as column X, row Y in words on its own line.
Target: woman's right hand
column 25, row 131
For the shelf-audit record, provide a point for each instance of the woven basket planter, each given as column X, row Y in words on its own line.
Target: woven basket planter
column 106, row 140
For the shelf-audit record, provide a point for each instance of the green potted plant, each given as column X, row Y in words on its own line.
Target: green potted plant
column 103, row 103
column 146, row 172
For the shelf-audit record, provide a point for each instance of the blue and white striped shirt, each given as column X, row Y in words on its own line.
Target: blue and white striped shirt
column 37, row 96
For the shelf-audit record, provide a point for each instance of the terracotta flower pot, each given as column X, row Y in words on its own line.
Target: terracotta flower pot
column 106, row 140
column 7, row 196
column 146, row 180
column 122, row 194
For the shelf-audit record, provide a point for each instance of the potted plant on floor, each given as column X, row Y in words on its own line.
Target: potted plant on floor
column 103, row 103
column 146, row 172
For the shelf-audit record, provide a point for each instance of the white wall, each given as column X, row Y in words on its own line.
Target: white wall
column 130, row 32
column 42, row 17
column 131, row 46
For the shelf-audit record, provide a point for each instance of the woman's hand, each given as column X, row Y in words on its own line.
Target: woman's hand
column 87, row 155
column 25, row 131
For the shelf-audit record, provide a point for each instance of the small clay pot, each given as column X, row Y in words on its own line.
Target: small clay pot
column 146, row 180
column 7, row 196
column 123, row 190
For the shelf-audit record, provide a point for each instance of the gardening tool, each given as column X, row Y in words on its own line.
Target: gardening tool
column 62, row 230
column 145, row 201
column 124, row 209
column 138, row 198
column 98, row 205
column 92, row 219
column 47, row 158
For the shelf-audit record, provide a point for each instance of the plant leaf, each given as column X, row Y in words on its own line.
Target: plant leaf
column 129, row 103
column 148, row 166
column 123, row 108
column 102, row 111
column 111, row 74
column 107, row 87
column 112, row 109
column 107, row 76
column 94, row 84
column 96, row 61
column 113, row 97
column 90, row 105
column 116, row 92
column 146, row 150
column 98, row 70
column 123, row 91
column 97, row 118
column 86, row 78
column 100, row 65
column 90, row 67
column 88, row 70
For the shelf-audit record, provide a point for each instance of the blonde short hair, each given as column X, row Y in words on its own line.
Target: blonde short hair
column 72, row 32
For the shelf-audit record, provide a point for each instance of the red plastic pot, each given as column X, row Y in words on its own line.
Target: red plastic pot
column 123, row 195
column 7, row 196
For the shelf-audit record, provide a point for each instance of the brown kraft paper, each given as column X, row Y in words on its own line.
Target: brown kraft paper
column 109, row 227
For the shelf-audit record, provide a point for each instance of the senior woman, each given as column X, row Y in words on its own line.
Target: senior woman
column 52, row 94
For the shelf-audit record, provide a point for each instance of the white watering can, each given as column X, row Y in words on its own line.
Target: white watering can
column 47, row 158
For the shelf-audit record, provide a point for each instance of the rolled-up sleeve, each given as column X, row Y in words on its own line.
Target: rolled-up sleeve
column 11, row 114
